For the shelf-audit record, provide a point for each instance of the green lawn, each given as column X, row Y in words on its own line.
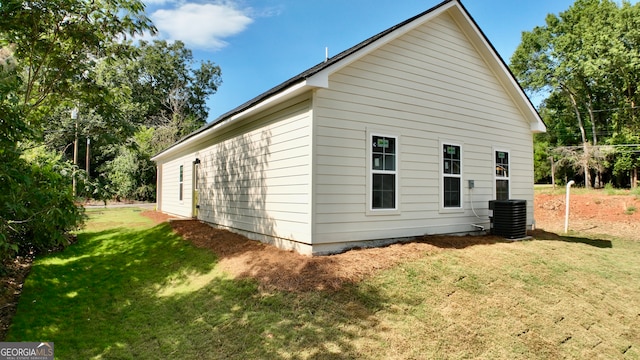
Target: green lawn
column 132, row 290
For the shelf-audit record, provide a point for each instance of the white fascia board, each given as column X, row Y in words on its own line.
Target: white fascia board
column 286, row 94
column 538, row 127
column 277, row 98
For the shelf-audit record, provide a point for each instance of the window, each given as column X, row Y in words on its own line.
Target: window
column 180, row 182
column 452, row 176
column 502, row 175
column 383, row 172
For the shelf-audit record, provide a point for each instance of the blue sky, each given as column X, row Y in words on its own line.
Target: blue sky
column 261, row 43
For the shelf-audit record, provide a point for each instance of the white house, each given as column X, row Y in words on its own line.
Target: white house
column 410, row 132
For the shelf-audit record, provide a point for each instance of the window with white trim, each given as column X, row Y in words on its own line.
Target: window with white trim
column 181, row 173
column 384, row 159
column 451, row 176
column 502, row 175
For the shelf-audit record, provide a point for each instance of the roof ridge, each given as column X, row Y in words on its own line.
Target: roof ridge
column 308, row 73
column 323, row 65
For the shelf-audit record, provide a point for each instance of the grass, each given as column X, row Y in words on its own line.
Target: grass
column 136, row 291
column 562, row 189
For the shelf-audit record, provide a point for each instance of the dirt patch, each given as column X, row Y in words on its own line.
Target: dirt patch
column 597, row 214
column 156, row 217
column 10, row 289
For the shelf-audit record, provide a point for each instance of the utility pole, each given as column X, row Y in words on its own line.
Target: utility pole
column 87, row 162
column 74, row 116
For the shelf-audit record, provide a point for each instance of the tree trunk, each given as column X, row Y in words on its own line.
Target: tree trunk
column 553, row 172
column 585, row 165
column 593, row 123
column 634, row 178
column 594, row 136
column 585, row 143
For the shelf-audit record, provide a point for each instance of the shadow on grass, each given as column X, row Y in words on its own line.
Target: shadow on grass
column 147, row 294
column 461, row 242
column 542, row 235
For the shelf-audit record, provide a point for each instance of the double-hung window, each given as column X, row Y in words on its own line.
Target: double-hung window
column 384, row 175
column 502, row 175
column 451, row 176
column 180, row 183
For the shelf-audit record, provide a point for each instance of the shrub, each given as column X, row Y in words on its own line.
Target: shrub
column 37, row 209
column 609, row 189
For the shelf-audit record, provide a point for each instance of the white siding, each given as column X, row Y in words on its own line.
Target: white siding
column 170, row 186
column 428, row 86
column 257, row 178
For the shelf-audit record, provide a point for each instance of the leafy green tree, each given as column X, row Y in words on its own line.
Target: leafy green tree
column 542, row 163
column 47, row 51
column 163, row 92
column 132, row 173
column 586, row 59
column 627, row 157
column 40, row 197
column 58, row 43
column 162, row 85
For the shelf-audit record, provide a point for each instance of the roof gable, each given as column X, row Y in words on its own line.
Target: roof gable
column 318, row 75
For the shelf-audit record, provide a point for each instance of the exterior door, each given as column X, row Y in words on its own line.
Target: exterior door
column 196, row 192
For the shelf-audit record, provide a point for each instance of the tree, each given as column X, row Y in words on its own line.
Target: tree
column 586, row 59
column 162, row 93
column 59, row 42
column 132, row 173
column 162, row 86
column 48, row 49
column 542, row 169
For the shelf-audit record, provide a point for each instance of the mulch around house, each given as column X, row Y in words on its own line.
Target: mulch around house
column 285, row 270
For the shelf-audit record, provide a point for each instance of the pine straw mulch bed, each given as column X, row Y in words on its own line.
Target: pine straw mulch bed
column 284, row 270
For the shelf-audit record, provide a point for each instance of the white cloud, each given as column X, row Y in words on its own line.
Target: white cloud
column 201, row 26
column 156, row 2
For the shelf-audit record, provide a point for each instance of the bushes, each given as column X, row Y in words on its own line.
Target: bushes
column 37, row 208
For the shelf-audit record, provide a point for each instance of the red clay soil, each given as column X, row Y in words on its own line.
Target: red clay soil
column 156, row 216
column 596, row 214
